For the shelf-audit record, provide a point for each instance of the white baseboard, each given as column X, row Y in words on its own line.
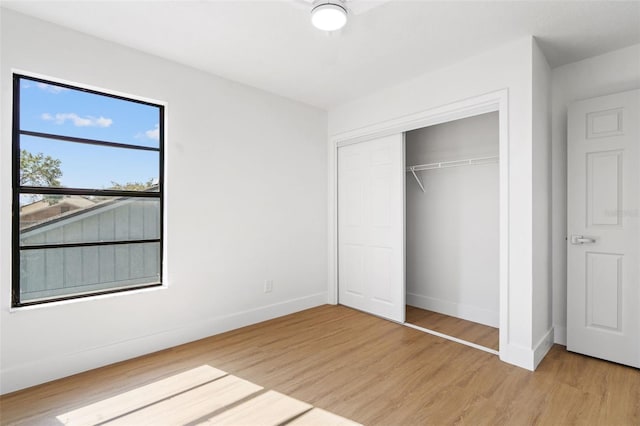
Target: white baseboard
column 519, row 356
column 525, row 357
column 63, row 365
column 560, row 335
column 542, row 348
column 459, row 310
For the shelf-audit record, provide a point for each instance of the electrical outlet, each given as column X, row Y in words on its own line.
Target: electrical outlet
column 268, row 286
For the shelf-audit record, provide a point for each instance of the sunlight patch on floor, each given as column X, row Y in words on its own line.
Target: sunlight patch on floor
column 203, row 395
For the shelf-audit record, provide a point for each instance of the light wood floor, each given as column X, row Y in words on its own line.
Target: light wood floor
column 482, row 335
column 201, row 396
column 368, row 370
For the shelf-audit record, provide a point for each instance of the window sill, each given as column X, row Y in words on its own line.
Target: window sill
column 86, row 299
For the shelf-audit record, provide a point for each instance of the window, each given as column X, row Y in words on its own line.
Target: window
column 87, row 192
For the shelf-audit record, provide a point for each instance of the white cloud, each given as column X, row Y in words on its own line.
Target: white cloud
column 87, row 121
column 153, row 133
column 103, row 122
column 50, row 88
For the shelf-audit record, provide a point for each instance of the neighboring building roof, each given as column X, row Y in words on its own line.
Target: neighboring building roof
column 44, row 211
column 42, row 214
column 71, row 200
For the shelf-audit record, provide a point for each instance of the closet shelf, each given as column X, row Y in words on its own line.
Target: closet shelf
column 446, row 164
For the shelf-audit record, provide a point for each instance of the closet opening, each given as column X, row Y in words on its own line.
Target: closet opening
column 452, row 230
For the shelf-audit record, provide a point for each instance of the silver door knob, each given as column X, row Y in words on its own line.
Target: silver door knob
column 580, row 239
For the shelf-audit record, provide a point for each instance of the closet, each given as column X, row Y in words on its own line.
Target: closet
column 418, row 228
column 452, row 228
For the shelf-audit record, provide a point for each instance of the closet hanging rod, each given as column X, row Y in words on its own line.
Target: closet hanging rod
column 455, row 163
column 445, row 164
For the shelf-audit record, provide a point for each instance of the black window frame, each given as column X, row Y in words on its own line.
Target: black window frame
column 18, row 189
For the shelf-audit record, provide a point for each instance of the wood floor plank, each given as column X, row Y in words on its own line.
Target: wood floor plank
column 320, row 417
column 191, row 405
column 473, row 332
column 128, row 401
column 368, row 370
column 269, row 409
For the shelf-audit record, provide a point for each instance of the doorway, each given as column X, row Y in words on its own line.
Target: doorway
column 452, row 229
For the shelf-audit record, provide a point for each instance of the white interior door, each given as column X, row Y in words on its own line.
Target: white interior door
column 371, row 227
column 603, row 296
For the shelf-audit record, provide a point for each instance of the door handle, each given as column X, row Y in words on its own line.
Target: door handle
column 579, row 239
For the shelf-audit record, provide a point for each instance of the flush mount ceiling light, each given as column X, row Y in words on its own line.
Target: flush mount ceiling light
column 329, row 15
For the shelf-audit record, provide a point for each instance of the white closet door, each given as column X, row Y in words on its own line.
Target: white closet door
column 603, row 288
column 371, row 227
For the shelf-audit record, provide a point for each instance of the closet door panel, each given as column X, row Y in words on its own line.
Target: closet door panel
column 381, row 276
column 371, row 226
column 352, row 269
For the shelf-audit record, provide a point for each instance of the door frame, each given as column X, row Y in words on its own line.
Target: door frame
column 490, row 102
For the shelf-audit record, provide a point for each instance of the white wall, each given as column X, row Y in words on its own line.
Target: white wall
column 612, row 72
column 541, row 126
column 452, row 228
column 507, row 67
column 246, row 201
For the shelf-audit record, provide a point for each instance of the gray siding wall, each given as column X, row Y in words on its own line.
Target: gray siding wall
column 51, row 272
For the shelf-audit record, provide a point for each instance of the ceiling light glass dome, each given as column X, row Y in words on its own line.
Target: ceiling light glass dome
column 329, row 16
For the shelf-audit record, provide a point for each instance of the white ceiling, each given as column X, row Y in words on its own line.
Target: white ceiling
column 271, row 44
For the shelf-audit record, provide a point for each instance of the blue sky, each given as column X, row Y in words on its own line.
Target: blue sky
column 56, row 110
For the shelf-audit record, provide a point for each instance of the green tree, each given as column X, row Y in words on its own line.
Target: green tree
column 133, row 186
column 40, row 170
